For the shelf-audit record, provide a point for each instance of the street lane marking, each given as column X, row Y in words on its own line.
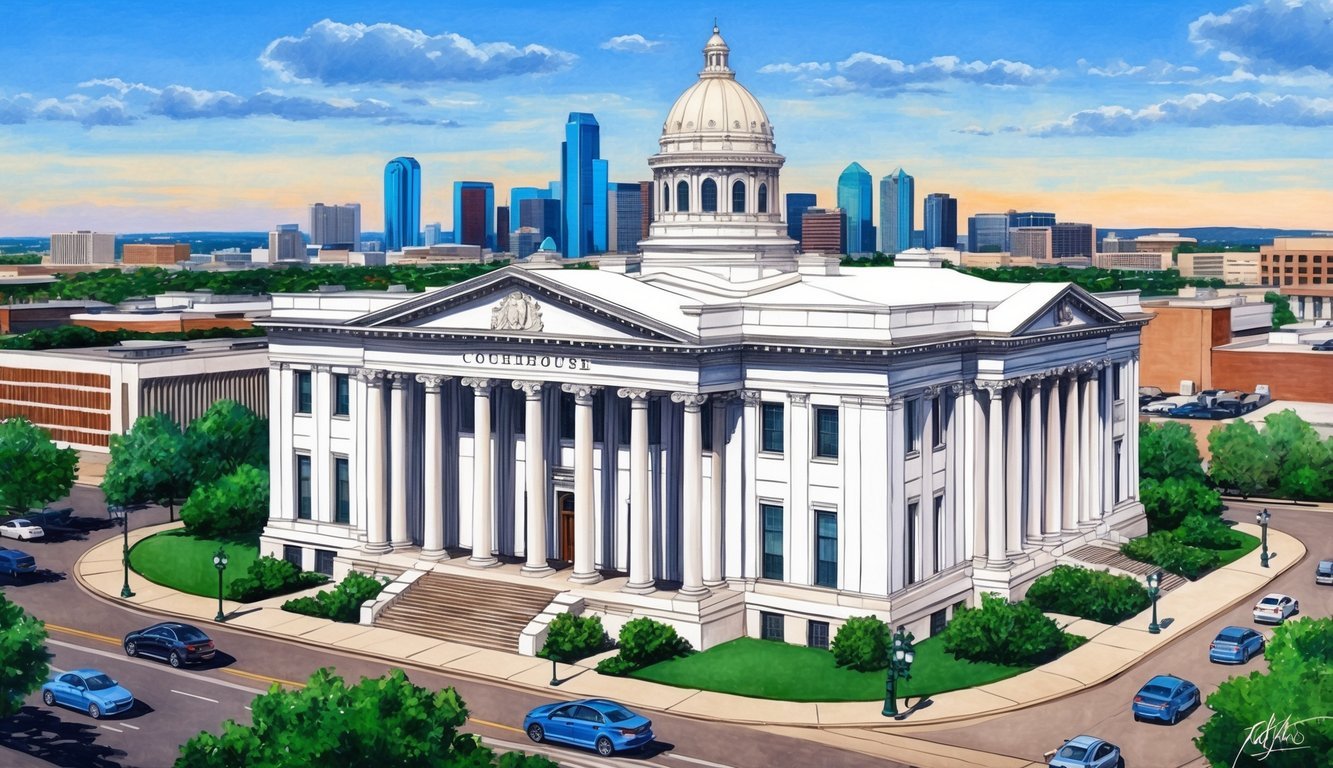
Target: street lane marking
column 262, row 678
column 109, row 728
column 495, row 725
column 127, row 725
column 81, row 633
column 194, row 696
column 158, row 667
column 696, row 760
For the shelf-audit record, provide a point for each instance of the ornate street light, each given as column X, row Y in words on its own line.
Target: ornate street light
column 1154, row 589
column 1262, row 519
column 220, row 562
column 901, row 656
column 121, row 516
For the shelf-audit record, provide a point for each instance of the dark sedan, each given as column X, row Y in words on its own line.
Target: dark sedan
column 171, row 641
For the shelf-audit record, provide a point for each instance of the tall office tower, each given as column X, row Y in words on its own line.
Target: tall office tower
column 541, row 214
column 516, row 197
column 525, row 240
column 856, row 199
column 988, row 232
column 646, row 202
column 502, row 229
column 1030, row 243
column 797, row 204
column 1072, row 240
column 402, row 203
column 897, row 211
column 286, row 244
column 335, row 224
column 624, row 217
column 1030, row 219
column 582, row 186
column 553, row 187
column 823, row 231
column 474, row 213
column 941, row 214
column 83, row 247
column 432, row 234
column 600, row 220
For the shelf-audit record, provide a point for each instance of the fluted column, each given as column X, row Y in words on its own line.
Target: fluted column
column 1054, row 461
column 1132, row 429
column 585, row 571
column 1084, row 450
column 376, row 528
column 713, row 520
column 995, row 552
column 1071, row 466
column 398, row 463
column 483, row 511
column 640, row 532
column 1036, row 465
column 535, row 462
column 432, row 539
column 1013, row 475
column 692, row 585
column 1095, row 471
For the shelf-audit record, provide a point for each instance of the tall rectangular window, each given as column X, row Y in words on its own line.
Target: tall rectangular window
column 771, row 415
column 826, row 433
column 826, row 549
column 816, row 634
column 911, row 426
column 913, row 531
column 772, row 515
column 1117, row 373
column 467, row 413
column 771, row 626
column 937, row 530
column 303, row 391
column 342, row 394
column 936, row 422
column 302, row 487
column 342, row 492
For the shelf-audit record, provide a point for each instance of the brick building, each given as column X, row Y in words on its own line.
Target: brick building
column 155, row 253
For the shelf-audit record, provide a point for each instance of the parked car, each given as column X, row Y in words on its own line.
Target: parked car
column 1150, row 395
column 88, row 690
column 1087, row 752
column 20, row 528
column 1164, row 698
column 1235, row 645
column 1167, row 404
column 171, row 641
column 14, row 562
column 1209, row 396
column 1323, row 346
column 1323, row 573
column 599, row 724
column 1192, row 411
column 1274, row 608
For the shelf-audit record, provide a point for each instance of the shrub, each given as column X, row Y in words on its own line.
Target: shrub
column 1168, row 502
column 1165, row 550
column 233, row 505
column 644, row 642
column 343, row 602
column 1207, row 533
column 615, row 666
column 1089, row 594
column 269, row 576
column 862, row 644
column 570, row 638
column 1001, row 632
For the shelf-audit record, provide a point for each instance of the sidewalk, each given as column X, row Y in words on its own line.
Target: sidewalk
column 1109, row 651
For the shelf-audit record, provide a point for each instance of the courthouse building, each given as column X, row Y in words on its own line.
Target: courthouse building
column 719, row 431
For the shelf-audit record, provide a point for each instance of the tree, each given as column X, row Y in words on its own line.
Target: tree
column 1241, row 459
column 1169, row 450
column 23, row 656
column 1303, row 462
column 149, row 463
column 233, row 505
column 36, row 472
column 227, row 436
column 1285, row 431
column 386, row 722
column 1167, row 502
column 1282, row 314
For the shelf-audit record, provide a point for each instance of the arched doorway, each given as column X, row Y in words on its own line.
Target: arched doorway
column 564, row 502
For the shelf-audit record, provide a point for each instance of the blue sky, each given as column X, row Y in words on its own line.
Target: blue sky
column 156, row 116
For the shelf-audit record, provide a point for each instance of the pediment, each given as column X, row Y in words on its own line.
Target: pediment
column 1071, row 308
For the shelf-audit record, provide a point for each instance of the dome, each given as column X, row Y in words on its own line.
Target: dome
column 716, row 107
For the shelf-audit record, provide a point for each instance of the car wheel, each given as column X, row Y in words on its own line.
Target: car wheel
column 48, row 698
column 1120, row 762
column 1137, row 719
column 94, row 712
column 536, row 733
column 604, row 747
column 1175, row 717
column 131, row 648
column 175, row 659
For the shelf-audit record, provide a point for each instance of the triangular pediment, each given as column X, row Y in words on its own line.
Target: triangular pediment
column 1071, row 308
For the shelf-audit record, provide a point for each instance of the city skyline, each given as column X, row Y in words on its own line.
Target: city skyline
column 1200, row 114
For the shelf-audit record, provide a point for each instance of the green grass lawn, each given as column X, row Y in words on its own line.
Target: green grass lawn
column 183, row 562
column 1232, row 555
column 771, row 670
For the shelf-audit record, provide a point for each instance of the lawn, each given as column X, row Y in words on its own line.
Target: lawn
column 772, row 670
column 183, row 562
column 1232, row 555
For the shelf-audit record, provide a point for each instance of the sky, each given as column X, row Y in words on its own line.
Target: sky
column 150, row 116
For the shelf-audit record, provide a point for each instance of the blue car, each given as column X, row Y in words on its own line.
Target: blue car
column 14, row 562
column 1235, row 645
column 88, row 690
column 595, row 723
column 1164, row 698
column 1087, row 752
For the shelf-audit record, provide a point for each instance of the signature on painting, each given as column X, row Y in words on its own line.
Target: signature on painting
column 1271, row 735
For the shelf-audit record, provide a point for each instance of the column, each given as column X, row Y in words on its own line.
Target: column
column 376, row 537
column 279, row 487
column 1035, row 460
column 995, row 551
column 585, row 572
column 1013, row 465
column 535, row 461
column 483, row 513
column 713, row 520
column 1071, row 467
column 752, row 531
column 640, row 525
column 1095, row 472
column 398, row 463
column 432, row 539
column 692, row 585
column 1084, row 451
column 1132, row 429
column 1053, row 460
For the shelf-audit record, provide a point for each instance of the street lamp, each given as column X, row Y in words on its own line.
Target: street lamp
column 121, row 516
column 901, row 656
column 220, row 562
column 1262, row 519
column 1154, row 583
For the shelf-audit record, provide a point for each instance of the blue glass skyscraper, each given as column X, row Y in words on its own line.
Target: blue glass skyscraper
column 474, row 213
column 1031, row 219
column 402, row 203
column 797, row 204
column 988, row 232
column 583, row 187
column 941, row 214
column 856, row 198
column 897, row 209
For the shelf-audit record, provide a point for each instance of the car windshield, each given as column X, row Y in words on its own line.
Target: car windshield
column 617, row 715
column 19, row 523
column 1326, row 567
column 99, row 683
column 1269, row 601
column 1073, row 751
column 191, row 635
column 1155, row 690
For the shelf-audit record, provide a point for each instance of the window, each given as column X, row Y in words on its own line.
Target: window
column 937, row 622
column 816, row 634
column 683, row 197
column 706, row 427
column 771, row 416
column 567, row 415
column 826, row 549
column 467, row 417
column 342, row 394
column 937, row 422
column 826, row 433
column 342, row 493
column 291, row 554
column 738, row 197
column 770, row 626
column 1117, row 371
column 937, row 530
column 763, row 198
column 324, row 561
column 911, row 435
column 772, row 565
column 913, row 531
column 666, row 197
column 303, row 389
column 708, row 196
column 302, row 487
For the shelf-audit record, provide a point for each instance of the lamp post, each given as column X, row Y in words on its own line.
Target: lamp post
column 220, row 562
column 901, row 656
column 1154, row 582
column 1262, row 519
column 121, row 515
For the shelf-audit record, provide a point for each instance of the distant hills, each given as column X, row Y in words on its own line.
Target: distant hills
column 1234, row 235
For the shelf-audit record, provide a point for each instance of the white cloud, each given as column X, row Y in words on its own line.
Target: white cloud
column 1271, row 35
column 1195, row 110
column 794, row 69
column 635, row 43
column 75, row 108
column 1155, row 71
column 864, row 72
column 119, row 86
column 973, row 130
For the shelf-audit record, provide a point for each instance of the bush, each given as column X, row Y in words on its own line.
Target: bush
column 269, row 576
column 615, row 666
column 1001, row 632
column 1165, row 550
column 343, row 602
column 1168, row 502
column 644, row 642
column 1089, row 594
column 862, row 644
column 1207, row 533
column 570, row 638
column 233, row 505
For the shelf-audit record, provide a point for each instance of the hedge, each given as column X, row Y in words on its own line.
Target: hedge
column 269, row 576
column 644, row 642
column 1001, row 632
column 343, row 602
column 1095, row 595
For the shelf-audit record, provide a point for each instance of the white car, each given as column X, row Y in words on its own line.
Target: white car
column 1275, row 608
column 1166, row 405
column 21, row 529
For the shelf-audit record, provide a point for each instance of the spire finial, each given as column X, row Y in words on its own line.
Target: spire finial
column 715, row 25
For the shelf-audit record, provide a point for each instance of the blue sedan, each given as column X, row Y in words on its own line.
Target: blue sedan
column 595, row 723
column 1164, row 698
column 1087, row 752
column 89, row 690
column 1235, row 645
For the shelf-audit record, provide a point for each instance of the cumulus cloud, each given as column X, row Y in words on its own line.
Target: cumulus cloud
column 119, row 86
column 1155, row 71
column 75, row 108
column 806, row 67
column 635, row 43
column 1195, row 110
column 1270, row 35
column 180, row 102
column 877, row 75
column 330, row 52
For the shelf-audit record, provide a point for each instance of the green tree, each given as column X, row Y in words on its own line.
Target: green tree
column 570, row 638
column 1241, row 459
column 387, row 722
column 36, row 472
column 1168, row 450
column 149, row 463
column 23, row 656
column 1282, row 314
column 1285, row 432
column 227, row 436
column 233, row 505
column 1167, row 502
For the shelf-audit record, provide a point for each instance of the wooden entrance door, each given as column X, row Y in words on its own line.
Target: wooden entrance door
column 565, row 502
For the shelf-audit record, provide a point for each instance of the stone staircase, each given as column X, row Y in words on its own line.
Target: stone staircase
column 1108, row 557
column 461, row 609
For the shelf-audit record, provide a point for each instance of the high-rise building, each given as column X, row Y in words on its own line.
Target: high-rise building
column 1070, row 240
column 797, row 204
column 856, row 199
column 553, row 187
column 525, row 240
column 402, row 203
column 286, row 244
column 600, row 218
column 83, row 247
column 823, row 231
column 1030, row 243
column 941, row 215
column 988, row 232
column 432, row 234
column 542, row 214
column 646, row 201
column 1030, row 219
column 897, row 211
column 624, row 216
column 583, row 187
column 502, row 229
column 155, row 253
column 516, row 197
column 335, row 224
column 474, row 213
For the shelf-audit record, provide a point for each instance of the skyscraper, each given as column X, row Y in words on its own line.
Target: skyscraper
column 502, row 228
column 797, row 204
column 402, row 203
column 624, row 216
column 335, row 224
column 822, row 231
column 583, row 187
column 1030, row 219
column 286, row 244
column 988, row 232
column 541, row 214
column 516, row 197
column 1073, row 240
column 897, row 211
column 941, row 214
column 474, row 213
column 856, row 199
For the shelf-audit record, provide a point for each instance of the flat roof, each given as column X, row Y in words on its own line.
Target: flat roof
column 196, row 348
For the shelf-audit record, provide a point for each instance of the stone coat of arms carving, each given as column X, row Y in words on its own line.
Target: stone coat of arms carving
column 516, row 312
column 1065, row 314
